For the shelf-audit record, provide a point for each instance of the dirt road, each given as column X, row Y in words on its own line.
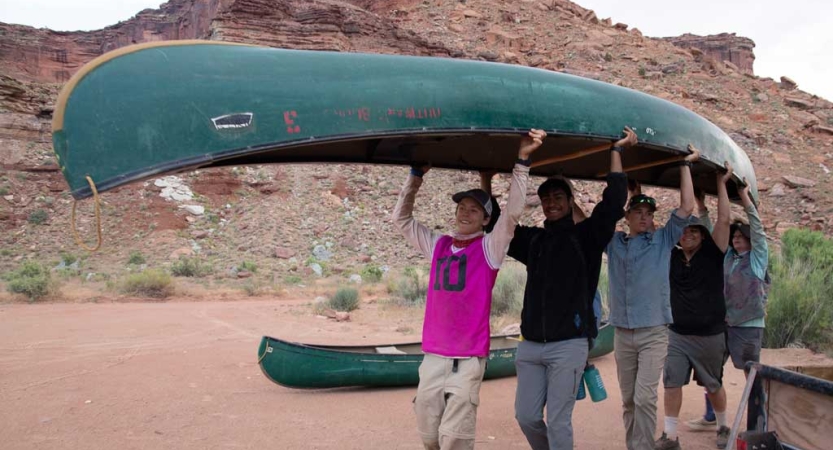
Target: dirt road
column 183, row 375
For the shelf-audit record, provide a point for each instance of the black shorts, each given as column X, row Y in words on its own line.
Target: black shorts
column 704, row 355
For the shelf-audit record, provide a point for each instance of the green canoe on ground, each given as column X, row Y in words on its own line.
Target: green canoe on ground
column 163, row 107
column 297, row 365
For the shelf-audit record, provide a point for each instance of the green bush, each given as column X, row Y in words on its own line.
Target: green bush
column 292, row 279
column 150, row 283
column 4, row 190
column 371, row 274
column 248, row 266
column 508, row 293
column 252, row 288
column 68, row 258
column 800, row 304
column 136, row 258
column 38, row 217
column 190, row 267
column 411, row 287
column 345, row 299
column 806, row 245
column 31, row 279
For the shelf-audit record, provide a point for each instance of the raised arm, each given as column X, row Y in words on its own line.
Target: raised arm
column 702, row 210
column 686, row 185
column 422, row 238
column 760, row 251
column 721, row 233
column 497, row 242
column 611, row 208
column 618, row 147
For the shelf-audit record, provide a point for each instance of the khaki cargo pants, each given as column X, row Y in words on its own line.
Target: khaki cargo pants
column 446, row 401
column 640, row 356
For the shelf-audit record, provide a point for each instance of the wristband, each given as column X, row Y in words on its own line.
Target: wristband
column 417, row 172
column 524, row 162
column 618, row 149
column 685, row 163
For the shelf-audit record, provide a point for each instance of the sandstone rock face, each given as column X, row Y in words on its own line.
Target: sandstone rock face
column 276, row 215
column 49, row 56
column 722, row 47
column 53, row 56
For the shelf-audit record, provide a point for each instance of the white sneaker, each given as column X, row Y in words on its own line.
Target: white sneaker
column 701, row 424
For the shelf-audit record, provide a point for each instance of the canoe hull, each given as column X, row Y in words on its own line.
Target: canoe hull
column 317, row 367
column 164, row 107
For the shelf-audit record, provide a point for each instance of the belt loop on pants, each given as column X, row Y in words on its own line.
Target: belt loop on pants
column 454, row 365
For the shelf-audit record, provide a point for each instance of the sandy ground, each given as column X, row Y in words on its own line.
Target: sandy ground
column 184, row 375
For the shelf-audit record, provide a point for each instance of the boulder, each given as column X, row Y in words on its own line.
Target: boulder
column 797, row 182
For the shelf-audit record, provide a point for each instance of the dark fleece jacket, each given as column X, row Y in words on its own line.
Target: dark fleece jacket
column 563, row 261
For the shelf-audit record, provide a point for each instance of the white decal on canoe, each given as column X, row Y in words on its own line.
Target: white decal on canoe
column 237, row 120
column 650, row 131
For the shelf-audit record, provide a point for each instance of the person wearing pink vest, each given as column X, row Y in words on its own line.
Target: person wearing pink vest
column 455, row 333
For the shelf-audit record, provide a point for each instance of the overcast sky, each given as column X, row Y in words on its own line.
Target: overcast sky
column 793, row 38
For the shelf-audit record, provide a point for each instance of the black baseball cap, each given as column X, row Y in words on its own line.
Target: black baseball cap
column 642, row 199
column 479, row 195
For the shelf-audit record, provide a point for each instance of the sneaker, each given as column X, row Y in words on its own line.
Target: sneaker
column 723, row 437
column 701, row 424
column 663, row 443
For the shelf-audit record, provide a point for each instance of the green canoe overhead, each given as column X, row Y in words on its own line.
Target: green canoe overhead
column 151, row 109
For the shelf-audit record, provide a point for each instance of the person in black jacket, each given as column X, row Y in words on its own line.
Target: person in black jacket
column 563, row 260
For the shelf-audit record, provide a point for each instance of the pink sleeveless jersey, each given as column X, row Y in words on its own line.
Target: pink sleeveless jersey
column 459, row 301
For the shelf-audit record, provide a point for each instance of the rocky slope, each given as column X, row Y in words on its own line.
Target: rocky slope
column 289, row 218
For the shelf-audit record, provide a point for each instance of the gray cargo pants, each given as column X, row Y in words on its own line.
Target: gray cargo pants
column 548, row 374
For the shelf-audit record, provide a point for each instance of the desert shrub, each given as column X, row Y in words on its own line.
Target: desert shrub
column 38, row 217
column 410, row 288
column 292, row 279
column 371, row 274
column 191, row 267
column 68, row 258
column 345, row 299
column 800, row 304
column 806, row 245
column 248, row 266
column 136, row 258
column 31, row 279
column 252, row 288
column 508, row 293
column 149, row 283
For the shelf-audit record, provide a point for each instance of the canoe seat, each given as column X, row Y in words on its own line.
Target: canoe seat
column 390, row 350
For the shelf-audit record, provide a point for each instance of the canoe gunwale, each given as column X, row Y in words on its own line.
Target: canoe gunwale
column 193, row 163
column 350, row 349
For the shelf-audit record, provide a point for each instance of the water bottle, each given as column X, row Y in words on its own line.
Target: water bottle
column 594, row 383
column 582, row 394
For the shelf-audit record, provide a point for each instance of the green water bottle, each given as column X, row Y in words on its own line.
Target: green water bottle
column 581, row 394
column 594, row 383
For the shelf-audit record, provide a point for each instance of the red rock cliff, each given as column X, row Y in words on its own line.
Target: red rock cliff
column 722, row 47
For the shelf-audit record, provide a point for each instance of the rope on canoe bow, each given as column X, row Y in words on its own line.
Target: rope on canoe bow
column 265, row 351
column 97, row 203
